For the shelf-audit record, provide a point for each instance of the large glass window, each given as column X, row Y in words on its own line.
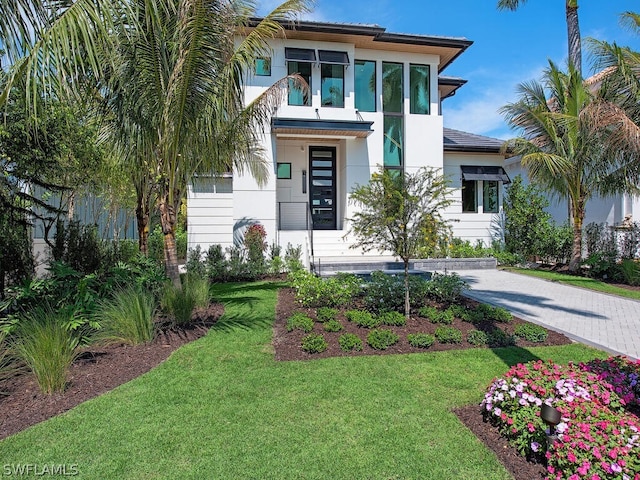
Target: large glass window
column 469, row 196
column 490, row 196
column 298, row 96
column 392, row 98
column 393, row 144
column 419, row 89
column 365, row 85
column 332, row 85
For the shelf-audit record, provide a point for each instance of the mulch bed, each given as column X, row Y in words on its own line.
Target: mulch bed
column 97, row 370
column 287, row 344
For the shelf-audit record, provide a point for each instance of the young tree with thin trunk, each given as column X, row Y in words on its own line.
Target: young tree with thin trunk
column 400, row 213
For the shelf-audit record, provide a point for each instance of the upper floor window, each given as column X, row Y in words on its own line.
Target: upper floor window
column 332, row 85
column 297, row 95
column 419, row 89
column 365, row 85
column 263, row 67
column 299, row 60
column 392, row 80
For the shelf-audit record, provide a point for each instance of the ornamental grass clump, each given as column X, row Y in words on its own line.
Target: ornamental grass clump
column 597, row 436
column 127, row 317
column 46, row 344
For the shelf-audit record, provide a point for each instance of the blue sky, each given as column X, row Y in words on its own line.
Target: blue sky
column 509, row 47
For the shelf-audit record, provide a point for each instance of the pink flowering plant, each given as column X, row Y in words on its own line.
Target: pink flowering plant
column 597, row 437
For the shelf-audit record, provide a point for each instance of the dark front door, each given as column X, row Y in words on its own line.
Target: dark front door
column 322, row 191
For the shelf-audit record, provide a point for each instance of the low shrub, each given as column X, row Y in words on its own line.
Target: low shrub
column 445, row 287
column 333, row 326
column 127, row 317
column 421, row 340
column 363, row 318
column 437, row 316
column 458, row 311
column 477, row 337
column 299, row 321
column 314, row 343
column 349, row 342
column 531, row 332
column 313, row 291
column 447, row 334
column 500, row 338
column 325, row 314
column 47, row 346
column 597, row 437
column 630, row 271
column 384, row 292
column 392, row 318
column 381, row 339
column 493, row 314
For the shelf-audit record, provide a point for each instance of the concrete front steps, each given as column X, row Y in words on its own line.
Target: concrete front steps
column 360, row 265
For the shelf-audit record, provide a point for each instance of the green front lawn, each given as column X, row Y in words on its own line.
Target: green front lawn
column 576, row 281
column 223, row 408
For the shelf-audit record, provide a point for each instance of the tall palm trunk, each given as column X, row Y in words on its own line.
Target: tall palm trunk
column 142, row 221
column 573, row 34
column 168, row 224
column 578, row 212
column 407, row 298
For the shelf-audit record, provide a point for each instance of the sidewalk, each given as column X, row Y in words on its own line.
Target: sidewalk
column 603, row 321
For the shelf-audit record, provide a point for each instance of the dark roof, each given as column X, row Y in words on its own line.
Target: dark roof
column 449, row 85
column 457, row 141
column 452, row 46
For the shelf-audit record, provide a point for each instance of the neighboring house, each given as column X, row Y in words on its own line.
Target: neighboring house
column 374, row 100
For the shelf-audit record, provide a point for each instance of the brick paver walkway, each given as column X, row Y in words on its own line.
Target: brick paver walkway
column 603, row 321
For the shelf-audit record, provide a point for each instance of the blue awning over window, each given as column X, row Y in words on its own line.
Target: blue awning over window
column 484, row 173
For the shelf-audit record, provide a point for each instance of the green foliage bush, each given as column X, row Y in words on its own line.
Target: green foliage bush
column 363, row 318
column 437, row 316
column 421, row 340
column 299, row 321
column 46, row 344
column 500, row 338
column 313, row 291
column 314, row 343
column 487, row 312
column 349, row 342
column 531, row 332
column 446, row 334
column 392, row 318
column 333, row 326
column 477, row 337
column 293, row 258
column 384, row 292
column 381, row 339
column 446, row 288
column 127, row 317
column 325, row 314
column 630, row 272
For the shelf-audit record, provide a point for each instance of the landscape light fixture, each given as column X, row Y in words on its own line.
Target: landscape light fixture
column 551, row 416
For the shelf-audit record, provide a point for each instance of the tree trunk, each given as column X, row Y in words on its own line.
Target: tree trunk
column 142, row 221
column 573, row 34
column 578, row 218
column 168, row 224
column 407, row 303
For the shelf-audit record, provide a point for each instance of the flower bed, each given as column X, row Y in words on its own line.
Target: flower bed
column 599, row 432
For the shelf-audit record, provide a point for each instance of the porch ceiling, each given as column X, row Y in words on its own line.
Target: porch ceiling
column 291, row 127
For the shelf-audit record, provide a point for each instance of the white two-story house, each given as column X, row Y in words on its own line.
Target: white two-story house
column 374, row 100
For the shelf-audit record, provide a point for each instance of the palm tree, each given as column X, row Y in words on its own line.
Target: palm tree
column 567, row 143
column 573, row 28
column 180, row 76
